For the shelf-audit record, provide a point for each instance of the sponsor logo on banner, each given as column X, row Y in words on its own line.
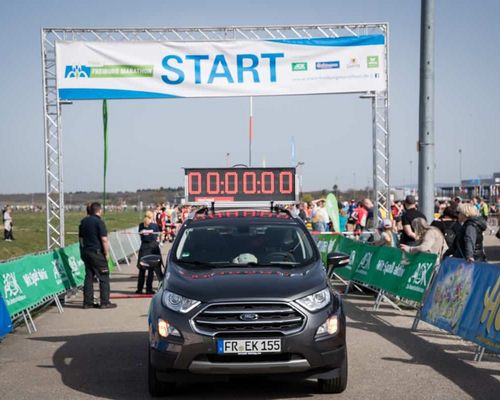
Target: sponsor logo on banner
column 364, row 264
column 75, row 265
column 108, row 71
column 56, row 270
column 418, row 281
column 393, row 268
column 328, row 65
column 353, row 63
column 299, row 66
column 11, row 289
column 372, row 62
column 37, row 275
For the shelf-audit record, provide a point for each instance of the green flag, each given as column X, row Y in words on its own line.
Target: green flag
column 332, row 208
column 105, row 123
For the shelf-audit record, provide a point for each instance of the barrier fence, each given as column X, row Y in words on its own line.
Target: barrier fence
column 35, row 280
column 464, row 299
column 385, row 268
column 459, row 297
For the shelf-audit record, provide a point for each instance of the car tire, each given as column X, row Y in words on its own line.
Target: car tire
column 335, row 385
column 156, row 387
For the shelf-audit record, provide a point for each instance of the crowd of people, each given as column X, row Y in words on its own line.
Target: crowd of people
column 457, row 229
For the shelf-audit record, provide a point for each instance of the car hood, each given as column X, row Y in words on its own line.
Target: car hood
column 228, row 284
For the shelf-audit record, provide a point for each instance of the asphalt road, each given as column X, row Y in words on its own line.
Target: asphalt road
column 83, row 354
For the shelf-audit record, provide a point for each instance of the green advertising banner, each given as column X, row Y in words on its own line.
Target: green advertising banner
column 390, row 269
column 27, row 281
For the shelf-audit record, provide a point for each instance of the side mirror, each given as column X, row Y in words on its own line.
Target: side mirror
column 150, row 261
column 335, row 259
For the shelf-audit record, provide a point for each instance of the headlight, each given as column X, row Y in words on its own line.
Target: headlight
column 178, row 303
column 316, row 301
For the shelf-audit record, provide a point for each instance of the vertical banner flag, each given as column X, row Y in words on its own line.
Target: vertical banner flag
column 105, row 123
column 126, row 70
column 250, row 133
column 332, row 208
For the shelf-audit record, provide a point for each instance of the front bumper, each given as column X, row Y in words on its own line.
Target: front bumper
column 302, row 353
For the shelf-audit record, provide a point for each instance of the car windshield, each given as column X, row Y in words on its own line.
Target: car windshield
column 244, row 245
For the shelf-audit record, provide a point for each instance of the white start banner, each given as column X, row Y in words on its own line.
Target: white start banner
column 132, row 70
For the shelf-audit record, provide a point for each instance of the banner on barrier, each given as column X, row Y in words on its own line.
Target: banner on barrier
column 27, row 281
column 465, row 300
column 126, row 70
column 390, row 269
column 5, row 322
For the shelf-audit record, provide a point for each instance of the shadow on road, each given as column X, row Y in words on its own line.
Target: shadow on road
column 477, row 383
column 113, row 366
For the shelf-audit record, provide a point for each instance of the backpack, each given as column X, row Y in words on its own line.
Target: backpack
column 449, row 236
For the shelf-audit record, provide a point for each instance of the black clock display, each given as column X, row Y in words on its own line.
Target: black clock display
column 240, row 184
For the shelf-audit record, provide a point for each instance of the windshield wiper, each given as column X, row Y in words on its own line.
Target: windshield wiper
column 194, row 262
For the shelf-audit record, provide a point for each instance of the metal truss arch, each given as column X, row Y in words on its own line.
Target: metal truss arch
column 52, row 105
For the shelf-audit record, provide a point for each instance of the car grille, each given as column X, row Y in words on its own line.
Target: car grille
column 235, row 318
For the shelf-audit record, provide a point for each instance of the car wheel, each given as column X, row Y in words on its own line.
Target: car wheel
column 156, row 387
column 335, row 385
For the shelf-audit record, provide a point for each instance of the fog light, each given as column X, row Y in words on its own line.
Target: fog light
column 165, row 329
column 330, row 326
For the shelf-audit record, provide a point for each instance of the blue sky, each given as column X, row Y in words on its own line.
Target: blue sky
column 150, row 140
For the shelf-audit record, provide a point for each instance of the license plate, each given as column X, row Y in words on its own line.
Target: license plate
column 248, row 346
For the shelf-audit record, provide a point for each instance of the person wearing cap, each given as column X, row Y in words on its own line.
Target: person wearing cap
column 387, row 236
column 408, row 236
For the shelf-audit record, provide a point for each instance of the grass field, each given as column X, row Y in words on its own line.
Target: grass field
column 30, row 232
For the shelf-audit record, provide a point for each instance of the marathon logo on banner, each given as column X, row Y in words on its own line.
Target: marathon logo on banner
column 98, row 70
column 465, row 300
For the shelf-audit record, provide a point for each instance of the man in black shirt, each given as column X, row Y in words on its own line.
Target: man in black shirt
column 94, row 248
column 408, row 236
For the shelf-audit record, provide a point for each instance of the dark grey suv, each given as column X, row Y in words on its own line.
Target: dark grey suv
column 245, row 292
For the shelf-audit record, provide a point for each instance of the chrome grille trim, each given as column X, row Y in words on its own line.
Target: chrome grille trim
column 222, row 318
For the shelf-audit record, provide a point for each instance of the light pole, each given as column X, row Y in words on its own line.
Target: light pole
column 300, row 164
column 460, row 167
column 227, row 159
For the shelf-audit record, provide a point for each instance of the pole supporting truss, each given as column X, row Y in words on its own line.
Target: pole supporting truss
column 54, row 187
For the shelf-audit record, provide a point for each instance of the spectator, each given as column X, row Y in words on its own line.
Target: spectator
column 7, row 224
column 371, row 220
column 408, row 236
column 149, row 231
column 302, row 212
column 352, row 216
column 361, row 214
column 387, row 235
column 469, row 242
column 448, row 224
column 320, row 217
column 397, row 212
column 484, row 209
column 429, row 239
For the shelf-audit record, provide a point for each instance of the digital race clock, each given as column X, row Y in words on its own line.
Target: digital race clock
column 240, row 184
